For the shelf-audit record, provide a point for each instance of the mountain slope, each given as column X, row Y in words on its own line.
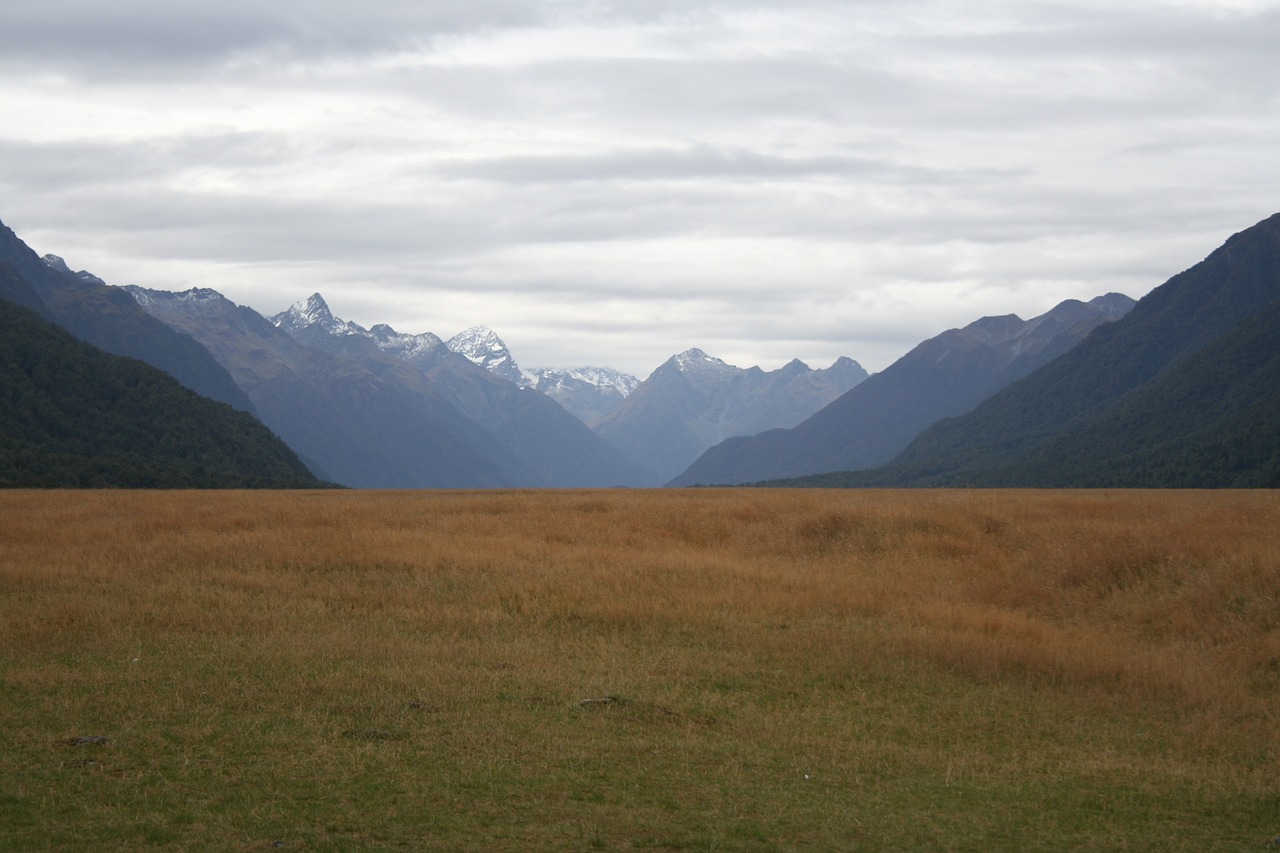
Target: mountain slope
column 693, row 401
column 379, row 426
column 944, row 376
column 555, row 448
column 110, row 320
column 587, row 393
column 482, row 347
column 1141, row 376
column 74, row 416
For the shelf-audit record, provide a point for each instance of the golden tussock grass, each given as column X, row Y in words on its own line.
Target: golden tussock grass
column 408, row 669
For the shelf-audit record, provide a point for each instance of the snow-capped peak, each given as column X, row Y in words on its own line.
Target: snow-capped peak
column 404, row 345
column 547, row 378
column 314, row 311
column 696, row 359
column 144, row 296
column 482, row 346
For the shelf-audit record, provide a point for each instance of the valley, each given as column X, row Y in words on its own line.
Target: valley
column 629, row 669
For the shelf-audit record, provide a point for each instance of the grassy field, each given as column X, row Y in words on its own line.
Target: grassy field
column 661, row 670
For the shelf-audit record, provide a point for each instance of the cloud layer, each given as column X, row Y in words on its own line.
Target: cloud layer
column 613, row 182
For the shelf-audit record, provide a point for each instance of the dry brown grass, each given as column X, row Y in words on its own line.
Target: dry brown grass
column 1125, row 640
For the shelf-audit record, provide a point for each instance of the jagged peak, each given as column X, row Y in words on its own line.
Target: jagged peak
column 402, row 344
column 844, row 363
column 479, row 335
column 54, row 262
column 695, row 359
column 314, row 311
column 147, row 296
column 481, row 346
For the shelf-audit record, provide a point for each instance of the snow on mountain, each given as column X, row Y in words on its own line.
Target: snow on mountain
column 403, row 345
column 546, row 379
column 482, row 346
column 57, row 264
column 695, row 360
column 147, row 298
column 313, row 313
column 588, row 393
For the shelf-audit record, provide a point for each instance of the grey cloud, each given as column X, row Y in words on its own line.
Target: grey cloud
column 74, row 166
column 95, row 37
column 700, row 162
column 1009, row 153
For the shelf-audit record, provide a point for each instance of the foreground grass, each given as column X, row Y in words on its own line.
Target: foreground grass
column 762, row 670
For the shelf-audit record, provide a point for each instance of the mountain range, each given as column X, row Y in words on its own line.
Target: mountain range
column 694, row 401
column 75, row 416
column 944, row 376
column 373, row 408
column 1180, row 389
column 109, row 319
column 1184, row 391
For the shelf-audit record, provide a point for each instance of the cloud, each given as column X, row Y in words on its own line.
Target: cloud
column 618, row 181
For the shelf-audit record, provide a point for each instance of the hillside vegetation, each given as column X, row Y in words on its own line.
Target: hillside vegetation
column 72, row 415
column 671, row 670
column 1181, row 392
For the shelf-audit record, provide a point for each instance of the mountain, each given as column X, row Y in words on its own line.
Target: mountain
column 481, row 346
column 110, row 320
column 587, row 393
column 73, row 416
column 556, row 447
column 364, row 422
column 693, row 401
column 1180, row 392
column 942, row 377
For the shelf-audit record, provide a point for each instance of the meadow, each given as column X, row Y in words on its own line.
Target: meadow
column 662, row 670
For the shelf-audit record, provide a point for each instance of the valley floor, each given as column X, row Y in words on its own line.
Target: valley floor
column 673, row 670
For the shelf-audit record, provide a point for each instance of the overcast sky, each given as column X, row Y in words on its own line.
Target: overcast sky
column 614, row 181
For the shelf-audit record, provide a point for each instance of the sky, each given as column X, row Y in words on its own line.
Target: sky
column 611, row 182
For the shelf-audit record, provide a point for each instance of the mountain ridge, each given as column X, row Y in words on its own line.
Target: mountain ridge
column 940, row 377
column 1114, row 389
column 694, row 400
column 109, row 319
column 74, row 416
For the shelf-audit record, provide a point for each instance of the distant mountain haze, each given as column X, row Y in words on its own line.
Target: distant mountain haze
column 587, row 393
column 1179, row 389
column 364, row 427
column 555, row 448
column 944, row 376
column 694, row 400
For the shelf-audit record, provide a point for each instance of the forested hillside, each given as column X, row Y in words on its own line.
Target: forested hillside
column 74, row 416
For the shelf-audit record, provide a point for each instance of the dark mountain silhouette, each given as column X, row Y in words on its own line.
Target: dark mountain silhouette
column 108, row 318
column 73, row 416
column 1180, row 392
column 944, row 376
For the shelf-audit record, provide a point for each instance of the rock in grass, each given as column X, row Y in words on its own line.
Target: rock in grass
column 87, row 740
